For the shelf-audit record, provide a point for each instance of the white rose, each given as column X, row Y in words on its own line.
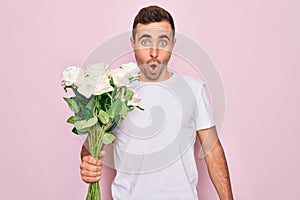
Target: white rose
column 124, row 74
column 131, row 68
column 103, row 86
column 134, row 100
column 69, row 76
column 120, row 77
column 95, row 80
column 96, row 69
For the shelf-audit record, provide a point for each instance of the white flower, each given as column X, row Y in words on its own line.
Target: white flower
column 131, row 68
column 123, row 74
column 103, row 86
column 95, row 81
column 69, row 76
column 120, row 77
column 134, row 100
column 96, row 69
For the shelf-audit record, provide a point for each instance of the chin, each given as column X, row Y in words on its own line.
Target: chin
column 152, row 76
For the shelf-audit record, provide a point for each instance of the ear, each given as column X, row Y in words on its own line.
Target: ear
column 132, row 42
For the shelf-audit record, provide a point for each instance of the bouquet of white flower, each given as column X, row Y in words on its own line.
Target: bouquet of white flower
column 102, row 99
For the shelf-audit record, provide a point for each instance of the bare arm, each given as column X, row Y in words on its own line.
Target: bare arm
column 216, row 162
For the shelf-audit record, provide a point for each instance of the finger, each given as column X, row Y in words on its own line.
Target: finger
column 91, row 174
column 91, row 160
column 89, row 167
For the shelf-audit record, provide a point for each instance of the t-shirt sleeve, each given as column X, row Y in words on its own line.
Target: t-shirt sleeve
column 203, row 113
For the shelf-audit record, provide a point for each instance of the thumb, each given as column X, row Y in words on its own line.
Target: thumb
column 102, row 154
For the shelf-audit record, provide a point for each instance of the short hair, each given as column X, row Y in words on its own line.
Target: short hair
column 152, row 14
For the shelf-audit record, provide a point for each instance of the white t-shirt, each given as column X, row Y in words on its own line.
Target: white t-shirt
column 154, row 149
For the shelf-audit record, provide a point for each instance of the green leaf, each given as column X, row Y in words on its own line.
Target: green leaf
column 128, row 95
column 86, row 114
column 108, row 138
column 115, row 108
column 90, row 104
column 74, row 130
column 72, row 104
column 103, row 116
column 124, row 110
column 114, row 124
column 82, row 100
column 72, row 119
column 83, row 125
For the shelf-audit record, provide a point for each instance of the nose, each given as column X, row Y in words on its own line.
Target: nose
column 154, row 52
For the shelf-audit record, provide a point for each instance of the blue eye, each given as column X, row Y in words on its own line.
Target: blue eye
column 163, row 43
column 145, row 42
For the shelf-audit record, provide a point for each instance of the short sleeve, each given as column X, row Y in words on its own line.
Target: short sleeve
column 203, row 113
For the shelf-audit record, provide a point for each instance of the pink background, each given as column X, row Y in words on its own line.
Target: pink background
column 254, row 44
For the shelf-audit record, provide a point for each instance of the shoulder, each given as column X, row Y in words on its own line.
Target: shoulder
column 195, row 83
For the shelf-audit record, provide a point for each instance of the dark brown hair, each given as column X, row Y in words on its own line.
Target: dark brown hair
column 152, row 14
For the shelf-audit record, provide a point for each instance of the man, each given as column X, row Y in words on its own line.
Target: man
column 166, row 176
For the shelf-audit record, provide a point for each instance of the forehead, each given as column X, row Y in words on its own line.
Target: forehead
column 154, row 29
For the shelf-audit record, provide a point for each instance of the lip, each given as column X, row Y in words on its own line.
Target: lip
column 153, row 68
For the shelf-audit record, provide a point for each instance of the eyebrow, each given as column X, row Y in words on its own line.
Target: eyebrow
column 164, row 36
column 146, row 36
column 149, row 36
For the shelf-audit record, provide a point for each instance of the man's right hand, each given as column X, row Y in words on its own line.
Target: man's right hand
column 90, row 168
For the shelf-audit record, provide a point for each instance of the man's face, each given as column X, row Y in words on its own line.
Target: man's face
column 153, row 47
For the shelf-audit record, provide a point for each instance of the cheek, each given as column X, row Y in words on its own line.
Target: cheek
column 141, row 54
column 165, row 55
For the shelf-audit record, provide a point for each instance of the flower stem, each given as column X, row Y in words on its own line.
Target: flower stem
column 95, row 144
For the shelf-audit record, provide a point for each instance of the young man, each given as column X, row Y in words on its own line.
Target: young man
column 149, row 171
